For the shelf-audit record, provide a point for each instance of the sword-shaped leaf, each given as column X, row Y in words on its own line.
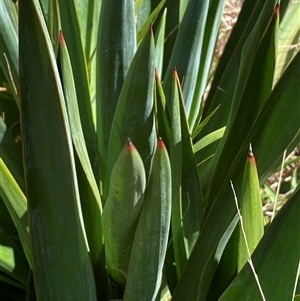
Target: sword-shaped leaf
column 280, row 244
column 56, row 227
column 134, row 115
column 251, row 227
column 91, row 201
column 121, row 212
column 115, row 51
column 151, row 236
column 186, row 54
column 16, row 205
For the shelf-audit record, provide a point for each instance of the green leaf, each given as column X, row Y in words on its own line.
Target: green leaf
column 121, row 212
column 211, row 33
column 203, row 123
column 9, row 291
column 251, row 94
column 150, row 20
column 186, row 54
column 11, row 154
column 13, row 262
column 214, row 258
column 172, row 27
column 93, row 206
column 288, row 38
column 53, row 200
column 251, row 227
column 176, row 168
column 208, row 139
column 186, row 188
column 236, row 59
column 134, row 116
column 116, row 48
column 182, row 8
column 160, row 42
column 16, row 204
column 8, row 227
column 151, row 237
column 53, row 23
column 5, row 278
column 226, row 270
column 142, row 11
column 162, row 120
column 88, row 13
column 277, row 243
column 192, row 204
column 30, row 291
column 272, row 120
column 71, row 30
column 9, row 45
column 277, row 118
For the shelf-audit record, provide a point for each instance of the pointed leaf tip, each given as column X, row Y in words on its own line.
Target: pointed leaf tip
column 61, row 37
column 251, row 156
column 160, row 143
column 156, row 74
column 250, row 153
column 277, row 10
column 175, row 74
column 176, row 78
column 129, row 145
column 151, row 28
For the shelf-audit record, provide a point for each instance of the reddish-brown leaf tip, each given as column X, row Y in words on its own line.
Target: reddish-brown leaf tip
column 251, row 156
column 151, row 28
column 175, row 73
column 252, row 160
column 250, row 153
column 277, row 9
column 160, row 143
column 156, row 74
column 176, row 77
column 61, row 37
column 129, row 145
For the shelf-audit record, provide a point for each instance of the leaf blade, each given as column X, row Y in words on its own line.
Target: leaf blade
column 53, row 204
column 279, row 239
column 93, row 206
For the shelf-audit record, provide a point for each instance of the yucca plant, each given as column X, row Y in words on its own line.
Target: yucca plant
column 122, row 175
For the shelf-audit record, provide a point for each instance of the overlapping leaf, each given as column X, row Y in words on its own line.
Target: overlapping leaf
column 220, row 206
column 116, row 48
column 90, row 196
column 134, row 116
column 279, row 240
column 53, row 204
